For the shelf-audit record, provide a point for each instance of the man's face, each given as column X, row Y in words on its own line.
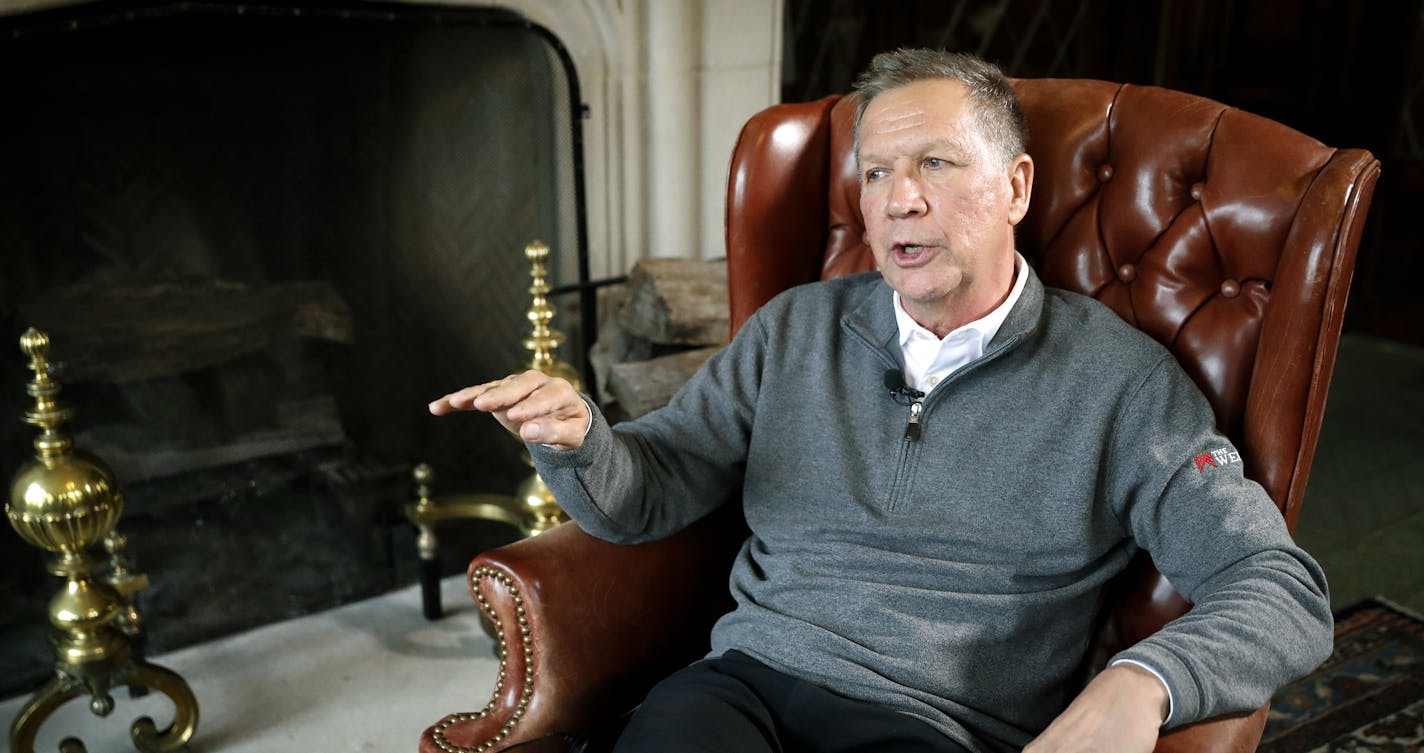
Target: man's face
column 939, row 203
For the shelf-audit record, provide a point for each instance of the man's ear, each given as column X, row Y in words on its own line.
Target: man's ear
column 1021, row 182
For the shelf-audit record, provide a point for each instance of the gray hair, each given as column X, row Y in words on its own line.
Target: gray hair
column 996, row 108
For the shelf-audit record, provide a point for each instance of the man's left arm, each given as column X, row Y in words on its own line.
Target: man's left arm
column 1260, row 615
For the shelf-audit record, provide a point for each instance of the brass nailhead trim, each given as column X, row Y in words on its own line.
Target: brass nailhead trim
column 528, row 689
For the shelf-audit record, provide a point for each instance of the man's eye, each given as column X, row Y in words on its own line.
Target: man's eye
column 875, row 174
column 933, row 162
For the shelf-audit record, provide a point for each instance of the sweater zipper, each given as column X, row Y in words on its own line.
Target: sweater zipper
column 908, row 449
column 912, row 429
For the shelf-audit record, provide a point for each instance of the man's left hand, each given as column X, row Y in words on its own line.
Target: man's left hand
column 1121, row 711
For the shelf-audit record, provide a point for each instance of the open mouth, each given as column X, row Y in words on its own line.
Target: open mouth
column 908, row 252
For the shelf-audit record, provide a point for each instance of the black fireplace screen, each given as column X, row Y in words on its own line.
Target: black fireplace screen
column 261, row 239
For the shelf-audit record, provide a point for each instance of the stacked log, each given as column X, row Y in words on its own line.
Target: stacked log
column 660, row 327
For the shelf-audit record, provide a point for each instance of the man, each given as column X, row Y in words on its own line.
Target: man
column 924, row 570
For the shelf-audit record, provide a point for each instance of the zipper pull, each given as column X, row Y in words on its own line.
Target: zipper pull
column 912, row 430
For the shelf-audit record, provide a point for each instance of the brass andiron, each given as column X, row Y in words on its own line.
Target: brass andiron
column 532, row 509
column 544, row 511
column 65, row 501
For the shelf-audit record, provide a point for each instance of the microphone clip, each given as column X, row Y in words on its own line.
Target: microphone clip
column 900, row 392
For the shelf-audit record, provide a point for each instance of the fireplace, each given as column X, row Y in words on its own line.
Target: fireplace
column 261, row 238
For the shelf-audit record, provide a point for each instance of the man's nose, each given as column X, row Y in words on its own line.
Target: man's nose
column 907, row 197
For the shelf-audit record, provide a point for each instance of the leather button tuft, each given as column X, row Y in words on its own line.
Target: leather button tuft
column 1105, row 173
column 1197, row 191
column 1127, row 273
column 1230, row 289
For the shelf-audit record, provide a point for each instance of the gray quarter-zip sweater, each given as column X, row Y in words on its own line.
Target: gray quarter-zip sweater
column 957, row 576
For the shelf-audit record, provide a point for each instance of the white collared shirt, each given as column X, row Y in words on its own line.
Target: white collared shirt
column 930, row 360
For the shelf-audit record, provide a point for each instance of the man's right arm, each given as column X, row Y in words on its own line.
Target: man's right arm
column 647, row 478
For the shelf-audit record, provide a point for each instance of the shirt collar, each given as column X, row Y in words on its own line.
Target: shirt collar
column 985, row 327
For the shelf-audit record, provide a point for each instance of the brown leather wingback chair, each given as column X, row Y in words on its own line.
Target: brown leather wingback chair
column 1229, row 238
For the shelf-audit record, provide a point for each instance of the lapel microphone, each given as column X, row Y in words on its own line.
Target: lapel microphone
column 900, row 392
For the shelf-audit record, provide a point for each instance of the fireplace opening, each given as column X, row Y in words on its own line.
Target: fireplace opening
column 261, row 238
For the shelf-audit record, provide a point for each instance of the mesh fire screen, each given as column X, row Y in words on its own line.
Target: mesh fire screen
column 261, row 239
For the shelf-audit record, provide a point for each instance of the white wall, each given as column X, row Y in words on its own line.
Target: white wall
column 711, row 65
column 741, row 75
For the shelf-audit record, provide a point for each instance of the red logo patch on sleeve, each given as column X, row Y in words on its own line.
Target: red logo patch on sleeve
column 1216, row 458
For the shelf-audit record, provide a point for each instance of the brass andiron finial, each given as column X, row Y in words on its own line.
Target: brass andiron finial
column 542, row 339
column 65, row 501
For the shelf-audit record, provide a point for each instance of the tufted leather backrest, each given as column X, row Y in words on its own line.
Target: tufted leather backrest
column 1228, row 237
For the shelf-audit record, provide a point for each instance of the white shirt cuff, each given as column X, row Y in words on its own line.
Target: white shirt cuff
column 1171, row 703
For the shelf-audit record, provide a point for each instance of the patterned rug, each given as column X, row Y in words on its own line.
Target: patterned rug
column 1367, row 697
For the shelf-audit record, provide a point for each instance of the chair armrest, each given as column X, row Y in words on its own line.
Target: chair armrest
column 587, row 627
column 1236, row 733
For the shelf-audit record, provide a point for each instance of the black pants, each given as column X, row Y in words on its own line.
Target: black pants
column 735, row 704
